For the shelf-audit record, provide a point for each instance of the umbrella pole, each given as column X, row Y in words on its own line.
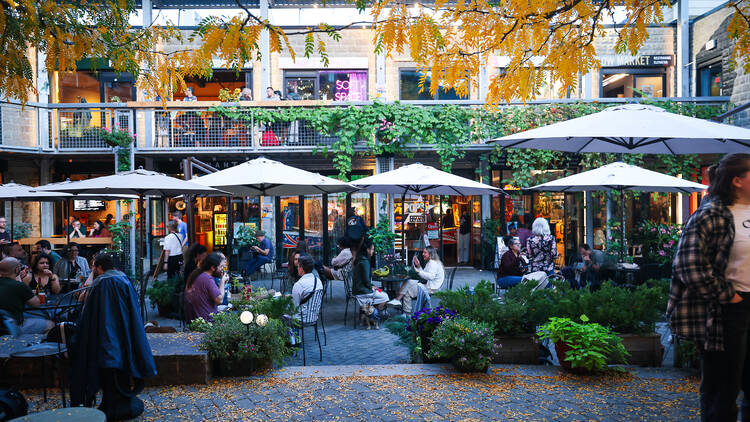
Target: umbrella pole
column 139, row 256
column 12, row 205
column 622, row 221
column 403, row 229
column 229, row 237
column 440, row 227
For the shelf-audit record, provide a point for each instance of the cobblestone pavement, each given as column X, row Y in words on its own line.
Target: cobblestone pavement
column 426, row 392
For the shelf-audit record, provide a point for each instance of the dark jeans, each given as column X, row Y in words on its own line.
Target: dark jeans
column 724, row 374
column 255, row 263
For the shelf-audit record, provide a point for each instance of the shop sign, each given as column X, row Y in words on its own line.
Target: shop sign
column 416, row 219
column 660, row 60
column 433, row 231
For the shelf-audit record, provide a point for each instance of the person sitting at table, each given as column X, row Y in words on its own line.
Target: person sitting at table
column 15, row 250
column 14, row 295
column 43, row 246
column 362, row 287
column 110, row 345
column 202, row 296
column 432, row 273
column 72, row 267
column 75, row 230
column 307, row 284
column 40, row 278
column 541, row 247
column 4, row 234
column 193, row 257
column 263, row 253
column 341, row 263
column 595, row 267
column 511, row 268
column 99, row 230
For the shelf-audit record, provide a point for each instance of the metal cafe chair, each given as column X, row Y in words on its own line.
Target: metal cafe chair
column 310, row 318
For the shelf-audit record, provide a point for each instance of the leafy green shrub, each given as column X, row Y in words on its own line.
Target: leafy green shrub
column 199, row 325
column 658, row 241
column 591, row 345
column 275, row 307
column 264, row 339
column 382, row 236
column 469, row 345
column 162, row 292
column 21, row 230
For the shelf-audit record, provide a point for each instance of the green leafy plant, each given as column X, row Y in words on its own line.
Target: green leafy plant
column 21, row 230
column 245, row 237
column 199, row 325
column 382, row 236
column 262, row 340
column 658, row 241
column 119, row 232
column 469, row 345
column 162, row 292
column 590, row 345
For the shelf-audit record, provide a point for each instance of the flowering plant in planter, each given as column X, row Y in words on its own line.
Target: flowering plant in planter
column 469, row 345
column 199, row 325
column 658, row 241
column 428, row 319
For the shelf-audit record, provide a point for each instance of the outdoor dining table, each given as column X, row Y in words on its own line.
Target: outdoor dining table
column 391, row 283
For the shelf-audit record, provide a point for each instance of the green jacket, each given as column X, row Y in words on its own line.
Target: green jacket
column 361, row 280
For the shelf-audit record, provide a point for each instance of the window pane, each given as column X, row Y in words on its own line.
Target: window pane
column 302, row 87
column 343, row 85
column 709, row 81
column 409, row 86
column 289, row 225
column 617, row 85
column 314, row 225
column 650, row 86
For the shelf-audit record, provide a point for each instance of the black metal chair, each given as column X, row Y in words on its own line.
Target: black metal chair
column 451, row 277
column 310, row 314
column 350, row 298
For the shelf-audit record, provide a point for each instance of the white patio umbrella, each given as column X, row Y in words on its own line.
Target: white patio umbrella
column 634, row 128
column 262, row 176
column 18, row 192
column 137, row 182
column 621, row 177
column 419, row 179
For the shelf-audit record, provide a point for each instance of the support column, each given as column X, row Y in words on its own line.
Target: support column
column 265, row 52
column 484, row 83
column 587, row 86
column 46, row 218
column 147, row 10
column 43, row 88
column 683, row 48
column 589, row 218
column 381, row 85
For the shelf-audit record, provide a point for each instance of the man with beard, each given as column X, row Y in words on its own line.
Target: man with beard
column 202, row 296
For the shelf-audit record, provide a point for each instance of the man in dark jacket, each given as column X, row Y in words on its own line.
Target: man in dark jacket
column 110, row 345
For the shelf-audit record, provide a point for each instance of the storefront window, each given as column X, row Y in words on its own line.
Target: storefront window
column 362, row 205
column 336, row 222
column 623, row 84
column 289, row 225
column 313, row 223
column 709, row 81
column 95, row 87
column 208, row 89
column 409, row 88
column 336, row 85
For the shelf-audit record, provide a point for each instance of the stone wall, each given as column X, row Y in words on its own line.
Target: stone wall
column 25, row 172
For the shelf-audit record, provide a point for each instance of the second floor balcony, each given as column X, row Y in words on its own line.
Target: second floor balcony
column 192, row 127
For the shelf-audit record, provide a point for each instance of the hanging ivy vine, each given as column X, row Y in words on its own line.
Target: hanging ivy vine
column 397, row 129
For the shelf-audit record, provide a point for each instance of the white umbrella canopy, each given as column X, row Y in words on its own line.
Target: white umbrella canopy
column 19, row 192
column 136, row 182
column 634, row 128
column 621, row 176
column 262, row 176
column 419, row 179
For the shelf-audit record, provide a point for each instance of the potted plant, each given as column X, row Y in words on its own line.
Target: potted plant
column 469, row 345
column 238, row 349
column 583, row 348
column 658, row 246
column 423, row 323
column 161, row 294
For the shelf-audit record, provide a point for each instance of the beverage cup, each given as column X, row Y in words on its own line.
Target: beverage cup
column 42, row 298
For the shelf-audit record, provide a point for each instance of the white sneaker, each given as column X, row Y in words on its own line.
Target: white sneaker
column 394, row 302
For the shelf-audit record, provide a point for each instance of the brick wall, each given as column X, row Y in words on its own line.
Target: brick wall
column 24, row 172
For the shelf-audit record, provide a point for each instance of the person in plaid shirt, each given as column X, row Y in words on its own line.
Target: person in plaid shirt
column 709, row 299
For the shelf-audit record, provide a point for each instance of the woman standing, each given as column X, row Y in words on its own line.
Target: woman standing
column 708, row 298
column 40, row 278
column 541, row 247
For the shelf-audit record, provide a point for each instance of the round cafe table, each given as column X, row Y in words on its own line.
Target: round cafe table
column 391, row 284
column 82, row 414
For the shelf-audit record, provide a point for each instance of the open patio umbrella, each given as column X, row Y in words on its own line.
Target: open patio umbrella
column 621, row 177
column 634, row 128
column 262, row 176
column 137, row 182
column 419, row 179
column 18, row 192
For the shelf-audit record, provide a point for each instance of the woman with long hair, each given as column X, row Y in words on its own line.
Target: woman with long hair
column 432, row 273
column 362, row 287
column 193, row 257
column 98, row 229
column 202, row 295
column 41, row 277
column 709, row 299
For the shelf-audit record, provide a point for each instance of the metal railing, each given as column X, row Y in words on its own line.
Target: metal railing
column 82, row 127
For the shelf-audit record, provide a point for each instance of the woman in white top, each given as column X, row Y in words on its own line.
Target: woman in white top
column 341, row 263
column 433, row 273
column 173, row 248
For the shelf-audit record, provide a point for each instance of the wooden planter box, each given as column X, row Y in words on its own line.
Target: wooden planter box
column 520, row 349
column 644, row 350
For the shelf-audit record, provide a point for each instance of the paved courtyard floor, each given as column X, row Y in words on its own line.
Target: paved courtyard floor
column 425, row 393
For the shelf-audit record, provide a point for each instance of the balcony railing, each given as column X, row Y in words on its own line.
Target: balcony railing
column 186, row 126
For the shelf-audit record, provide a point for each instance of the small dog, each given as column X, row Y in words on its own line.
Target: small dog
column 369, row 315
column 153, row 327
